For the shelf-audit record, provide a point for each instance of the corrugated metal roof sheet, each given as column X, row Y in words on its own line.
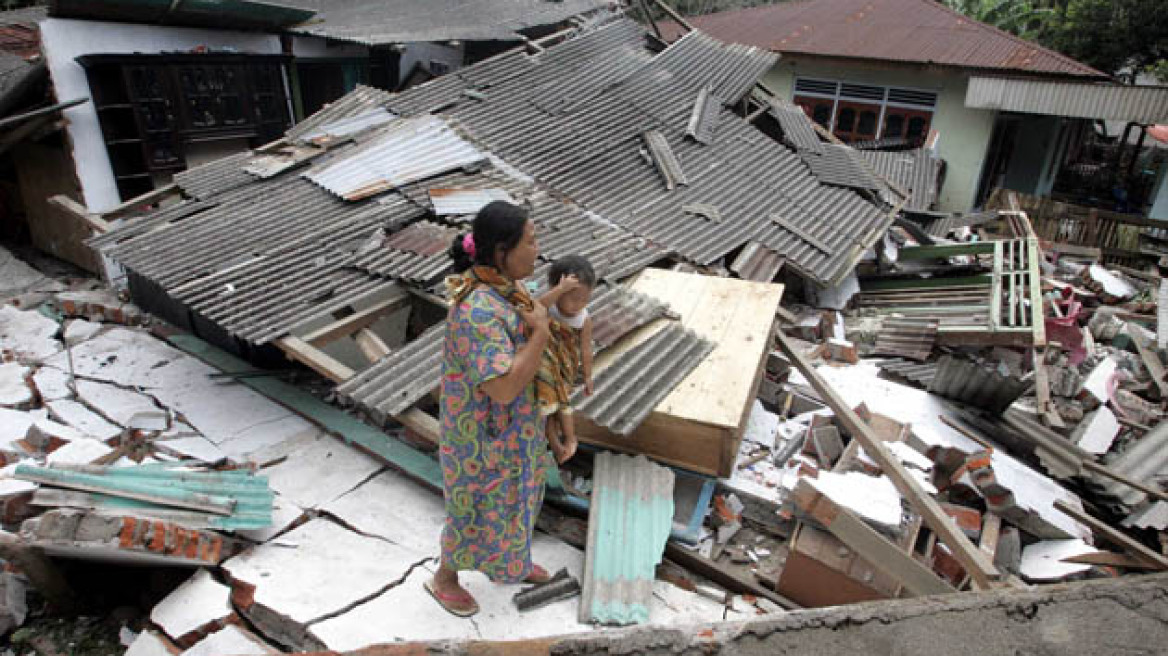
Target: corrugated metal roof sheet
column 757, row 262
column 215, row 177
column 918, row 31
column 626, row 392
column 841, row 166
column 382, row 22
column 796, row 125
column 357, row 102
column 920, row 373
column 416, row 253
column 350, row 125
column 975, row 384
column 465, row 202
column 405, row 151
column 917, row 172
column 908, row 338
column 402, row 378
column 704, row 118
column 1142, row 104
column 1145, row 460
column 488, row 177
column 399, row 380
column 629, row 520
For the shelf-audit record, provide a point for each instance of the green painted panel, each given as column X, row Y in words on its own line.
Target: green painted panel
column 353, row 431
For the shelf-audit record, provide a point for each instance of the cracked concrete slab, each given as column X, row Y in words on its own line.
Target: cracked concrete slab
column 115, row 403
column 388, row 502
column 80, row 417
column 231, row 640
column 128, row 357
column 317, row 468
column 197, row 605
column 52, row 384
column 79, row 330
column 29, row 334
column 193, row 446
column 15, row 391
column 16, row 425
column 151, row 643
column 314, row 571
column 79, row 452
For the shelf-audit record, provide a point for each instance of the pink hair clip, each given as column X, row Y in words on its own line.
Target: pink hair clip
column 468, row 245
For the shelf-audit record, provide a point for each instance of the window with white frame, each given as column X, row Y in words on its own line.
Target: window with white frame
column 862, row 112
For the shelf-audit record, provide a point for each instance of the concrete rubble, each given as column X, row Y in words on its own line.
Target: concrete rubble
column 902, row 436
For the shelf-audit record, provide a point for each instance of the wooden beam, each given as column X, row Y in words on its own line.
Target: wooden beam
column 314, row 358
column 723, row 576
column 422, row 424
column 991, row 531
column 1109, row 559
column 883, row 554
column 1120, row 478
column 980, row 568
column 358, row 320
column 80, row 211
column 1042, row 390
column 674, row 15
column 1135, row 548
column 135, row 204
column 372, row 346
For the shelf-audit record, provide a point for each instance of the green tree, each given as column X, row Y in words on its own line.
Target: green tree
column 1115, row 36
column 1021, row 17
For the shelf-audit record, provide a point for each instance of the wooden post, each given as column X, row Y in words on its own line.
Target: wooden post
column 674, row 15
column 979, row 567
column 1135, row 548
column 864, row 540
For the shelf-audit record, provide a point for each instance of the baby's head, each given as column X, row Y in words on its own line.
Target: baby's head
column 575, row 301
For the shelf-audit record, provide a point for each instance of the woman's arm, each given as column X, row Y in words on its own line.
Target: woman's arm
column 525, row 364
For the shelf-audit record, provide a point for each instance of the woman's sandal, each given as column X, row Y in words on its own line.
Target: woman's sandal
column 538, row 575
column 459, row 605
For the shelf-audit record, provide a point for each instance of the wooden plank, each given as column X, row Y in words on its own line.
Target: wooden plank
column 996, row 289
column 1042, row 391
column 980, row 568
column 314, row 358
column 991, row 531
column 372, row 346
column 1135, row 548
column 1152, row 362
column 80, row 211
column 1034, row 281
column 422, row 424
column 137, row 203
column 864, row 540
column 1109, row 559
column 361, row 319
column 723, row 576
column 1120, row 478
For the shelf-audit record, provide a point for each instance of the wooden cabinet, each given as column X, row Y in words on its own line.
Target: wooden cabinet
column 152, row 107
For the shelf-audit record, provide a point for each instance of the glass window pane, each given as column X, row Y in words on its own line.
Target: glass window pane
column 867, row 123
column 893, row 126
column 846, row 120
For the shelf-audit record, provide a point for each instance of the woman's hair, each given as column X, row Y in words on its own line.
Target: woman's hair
column 498, row 225
column 572, row 265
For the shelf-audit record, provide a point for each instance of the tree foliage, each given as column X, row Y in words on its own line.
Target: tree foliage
column 1115, row 36
column 1020, row 17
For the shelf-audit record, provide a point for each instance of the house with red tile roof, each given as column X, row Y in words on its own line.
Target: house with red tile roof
column 1000, row 110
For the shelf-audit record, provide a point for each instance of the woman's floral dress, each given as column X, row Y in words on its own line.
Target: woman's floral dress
column 492, row 454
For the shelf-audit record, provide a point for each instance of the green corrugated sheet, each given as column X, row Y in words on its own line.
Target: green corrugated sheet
column 250, row 495
column 628, row 524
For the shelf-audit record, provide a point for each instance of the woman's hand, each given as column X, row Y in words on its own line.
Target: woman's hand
column 567, row 284
column 536, row 318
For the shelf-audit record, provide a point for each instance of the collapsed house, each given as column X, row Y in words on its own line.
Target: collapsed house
column 773, row 482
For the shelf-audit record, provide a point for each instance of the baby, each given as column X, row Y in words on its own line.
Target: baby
column 569, row 353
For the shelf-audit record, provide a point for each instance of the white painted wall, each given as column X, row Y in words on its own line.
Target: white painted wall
column 427, row 52
column 64, row 40
column 311, row 47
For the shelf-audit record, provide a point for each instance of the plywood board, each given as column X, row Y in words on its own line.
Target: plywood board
column 698, row 424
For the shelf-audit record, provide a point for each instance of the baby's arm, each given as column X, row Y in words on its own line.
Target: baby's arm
column 552, row 296
column 586, row 354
